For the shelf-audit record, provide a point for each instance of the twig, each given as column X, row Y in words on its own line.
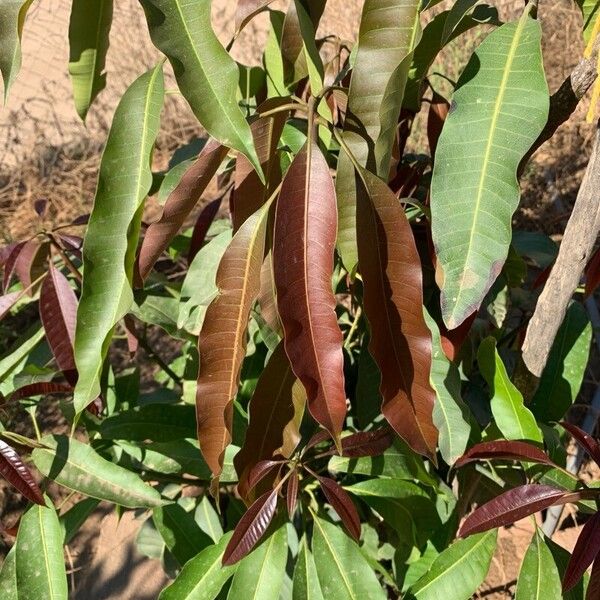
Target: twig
column 576, row 247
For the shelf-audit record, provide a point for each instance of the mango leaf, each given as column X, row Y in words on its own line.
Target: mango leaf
column 182, row 535
column 12, row 19
column 585, row 440
column 208, row 519
column 7, row 301
column 589, row 10
column 561, row 560
column 387, row 36
column 393, row 302
column 40, row 562
column 89, row 27
column 563, row 374
column 275, row 412
column 471, row 209
column 14, row 470
column 179, row 204
column 342, row 504
column 8, row 575
column 251, row 527
column 246, row 10
column 79, row 467
column 199, row 286
column 202, row 577
column 306, row 581
column 585, row 551
column 504, row 450
column 30, row 263
column 302, row 270
column 291, row 493
column 154, row 421
column 538, row 577
column 222, row 340
column 249, row 193
column 112, row 234
column 513, row 418
column 41, row 388
column 201, row 227
column 343, row 571
column 458, row 571
column 260, row 575
column 450, row 413
column 517, row 503
column 207, row 76
column 58, row 311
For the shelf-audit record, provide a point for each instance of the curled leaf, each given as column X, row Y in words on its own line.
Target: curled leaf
column 14, row 470
column 585, row 552
column 586, row 441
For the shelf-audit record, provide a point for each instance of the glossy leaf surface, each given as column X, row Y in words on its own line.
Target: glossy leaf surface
column 393, row 302
column 303, row 249
column 14, row 470
column 585, row 551
column 306, row 584
column 89, row 27
column 342, row 504
column 489, row 129
column 111, row 239
column 538, row 577
column 222, row 340
column 504, row 450
column 207, row 76
column 79, row 467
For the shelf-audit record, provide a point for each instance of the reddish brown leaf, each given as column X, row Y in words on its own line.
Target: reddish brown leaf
column 7, row 302
column 260, row 470
column 585, row 551
column 81, row 220
column 393, row 302
column 41, row 207
column 72, row 243
column 222, row 340
column 14, row 470
column 247, row 10
column 275, row 410
column 267, row 298
column 250, row 528
column 593, row 589
column 342, row 504
column 132, row 335
column 5, row 252
column 516, row 504
column 504, row 450
column 367, row 443
column 303, row 248
column 317, row 438
column 587, row 442
column 203, row 223
column 31, row 262
column 178, row 206
column 249, row 194
column 291, row 493
column 41, row 388
column 58, row 311
column 453, row 339
column 592, row 274
column 438, row 111
column 9, row 264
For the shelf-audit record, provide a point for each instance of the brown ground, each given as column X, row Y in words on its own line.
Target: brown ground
column 48, row 153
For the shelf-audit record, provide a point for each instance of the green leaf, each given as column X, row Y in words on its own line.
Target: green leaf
column 208, row 519
column 8, row 576
column 113, row 230
column 589, row 10
column 181, row 533
column 387, row 37
column 12, row 19
column 202, row 577
column 450, row 413
column 40, row 562
column 156, row 422
column 564, row 371
column 79, row 467
column 16, row 356
column 199, row 286
column 76, row 516
column 207, row 76
column 88, row 38
column 306, row 581
column 538, row 577
column 498, row 111
column 513, row 418
column 260, row 574
column 561, row 560
column 458, row 571
column 343, row 571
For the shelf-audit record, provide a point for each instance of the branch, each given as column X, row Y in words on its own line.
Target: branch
column 575, row 249
column 566, row 99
